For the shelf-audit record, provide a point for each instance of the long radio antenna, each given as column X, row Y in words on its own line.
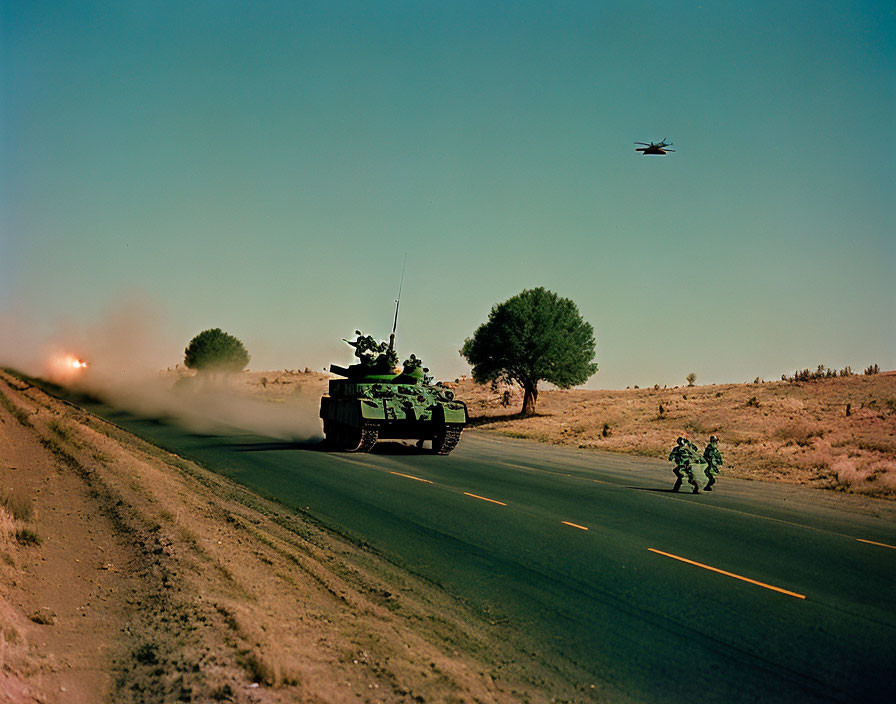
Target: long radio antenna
column 397, row 303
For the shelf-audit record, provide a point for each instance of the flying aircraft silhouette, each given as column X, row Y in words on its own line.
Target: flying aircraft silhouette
column 655, row 147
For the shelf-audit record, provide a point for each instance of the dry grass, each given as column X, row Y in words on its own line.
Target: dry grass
column 16, row 518
column 20, row 507
column 781, row 431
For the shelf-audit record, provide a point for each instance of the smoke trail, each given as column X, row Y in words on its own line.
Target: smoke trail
column 123, row 359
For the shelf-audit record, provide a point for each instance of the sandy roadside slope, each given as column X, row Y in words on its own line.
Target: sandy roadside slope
column 129, row 574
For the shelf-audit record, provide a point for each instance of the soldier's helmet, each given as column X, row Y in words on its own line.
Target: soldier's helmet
column 680, row 441
column 713, row 438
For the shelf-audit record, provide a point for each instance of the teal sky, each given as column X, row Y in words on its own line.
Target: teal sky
column 263, row 167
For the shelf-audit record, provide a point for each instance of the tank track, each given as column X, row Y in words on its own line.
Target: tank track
column 349, row 439
column 369, row 435
column 446, row 441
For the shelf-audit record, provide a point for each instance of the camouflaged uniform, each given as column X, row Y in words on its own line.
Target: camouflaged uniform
column 714, row 461
column 685, row 454
column 366, row 348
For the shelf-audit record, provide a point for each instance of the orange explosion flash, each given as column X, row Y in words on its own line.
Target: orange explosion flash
column 65, row 368
column 76, row 363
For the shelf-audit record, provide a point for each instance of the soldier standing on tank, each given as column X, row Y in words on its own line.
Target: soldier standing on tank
column 714, row 461
column 365, row 348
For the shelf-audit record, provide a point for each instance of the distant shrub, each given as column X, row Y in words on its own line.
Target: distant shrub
column 606, row 430
column 216, row 351
column 873, row 369
column 820, row 372
column 753, row 402
column 691, row 379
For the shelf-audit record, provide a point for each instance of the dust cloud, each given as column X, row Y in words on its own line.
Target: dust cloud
column 128, row 359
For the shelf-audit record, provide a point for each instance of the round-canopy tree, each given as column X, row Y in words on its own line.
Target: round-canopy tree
column 533, row 336
column 216, row 351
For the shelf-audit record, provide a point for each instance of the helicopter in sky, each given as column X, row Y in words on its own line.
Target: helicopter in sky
column 655, row 147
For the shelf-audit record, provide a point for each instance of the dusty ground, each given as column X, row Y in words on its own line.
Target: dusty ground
column 776, row 431
column 129, row 574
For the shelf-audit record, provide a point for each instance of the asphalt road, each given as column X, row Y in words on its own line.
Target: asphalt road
column 754, row 592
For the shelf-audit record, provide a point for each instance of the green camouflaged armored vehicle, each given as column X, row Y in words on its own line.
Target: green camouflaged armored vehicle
column 378, row 400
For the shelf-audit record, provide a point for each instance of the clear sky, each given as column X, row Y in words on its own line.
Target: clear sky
column 264, row 166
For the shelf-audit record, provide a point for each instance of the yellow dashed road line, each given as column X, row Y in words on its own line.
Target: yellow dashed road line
column 871, row 542
column 410, row 476
column 728, row 574
column 574, row 525
column 476, row 496
column 522, row 466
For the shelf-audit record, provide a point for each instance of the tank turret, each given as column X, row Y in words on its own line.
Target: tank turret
column 378, row 399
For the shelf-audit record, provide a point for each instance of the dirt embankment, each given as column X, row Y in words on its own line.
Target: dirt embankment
column 835, row 433
column 129, row 574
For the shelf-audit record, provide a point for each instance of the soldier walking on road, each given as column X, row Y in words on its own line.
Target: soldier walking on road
column 683, row 454
column 679, row 457
column 714, row 461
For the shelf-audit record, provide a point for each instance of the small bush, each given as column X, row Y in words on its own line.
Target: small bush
column 26, row 536
column 691, row 379
column 753, row 402
column 873, row 369
column 146, row 654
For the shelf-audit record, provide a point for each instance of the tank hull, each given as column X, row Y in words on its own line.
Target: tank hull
column 358, row 414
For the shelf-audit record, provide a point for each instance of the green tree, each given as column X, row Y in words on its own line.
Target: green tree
column 534, row 336
column 216, row 351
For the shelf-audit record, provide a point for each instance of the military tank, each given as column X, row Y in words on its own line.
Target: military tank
column 378, row 400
